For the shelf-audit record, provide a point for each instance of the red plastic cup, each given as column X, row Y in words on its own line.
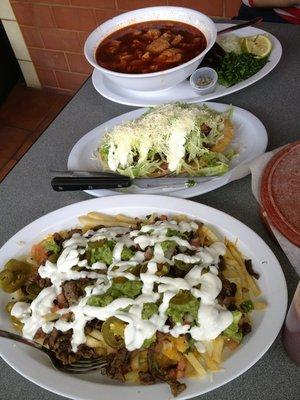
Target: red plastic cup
column 291, row 331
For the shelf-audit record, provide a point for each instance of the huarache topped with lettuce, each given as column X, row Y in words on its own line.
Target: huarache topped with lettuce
column 177, row 139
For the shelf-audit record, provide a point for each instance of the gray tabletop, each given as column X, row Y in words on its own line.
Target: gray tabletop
column 26, row 194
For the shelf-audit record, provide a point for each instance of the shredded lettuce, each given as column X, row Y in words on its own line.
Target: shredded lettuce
column 174, row 138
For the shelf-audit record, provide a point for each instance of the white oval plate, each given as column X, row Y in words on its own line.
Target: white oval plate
column 183, row 91
column 250, row 140
column 266, row 324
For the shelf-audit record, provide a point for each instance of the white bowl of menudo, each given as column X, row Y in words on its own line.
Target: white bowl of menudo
column 151, row 48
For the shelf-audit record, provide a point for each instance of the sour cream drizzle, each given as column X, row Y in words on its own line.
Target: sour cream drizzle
column 212, row 318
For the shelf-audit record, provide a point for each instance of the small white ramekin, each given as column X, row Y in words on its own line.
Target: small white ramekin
column 204, row 72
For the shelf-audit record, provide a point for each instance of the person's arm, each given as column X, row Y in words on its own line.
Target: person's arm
column 274, row 3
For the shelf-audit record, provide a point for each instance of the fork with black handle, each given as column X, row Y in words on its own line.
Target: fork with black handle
column 78, row 367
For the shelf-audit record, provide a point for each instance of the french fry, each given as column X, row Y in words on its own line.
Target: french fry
column 236, row 254
column 102, row 219
column 236, row 271
column 254, row 287
column 238, row 257
column 229, row 273
column 210, row 362
column 233, row 259
column 218, row 344
column 180, row 217
column 101, row 351
column 86, row 221
column 92, row 342
column 124, row 218
column 195, row 364
column 96, row 334
column 108, row 218
column 181, row 343
column 209, row 348
column 170, row 351
column 190, row 371
column 99, row 216
column 209, row 234
column 89, row 222
column 259, row 305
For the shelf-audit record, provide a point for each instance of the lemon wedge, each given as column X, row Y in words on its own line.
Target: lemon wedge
column 258, row 45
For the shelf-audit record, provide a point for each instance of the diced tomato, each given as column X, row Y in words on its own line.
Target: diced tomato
column 195, row 242
column 181, row 366
column 172, row 373
column 38, row 253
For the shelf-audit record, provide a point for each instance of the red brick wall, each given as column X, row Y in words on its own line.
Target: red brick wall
column 55, row 31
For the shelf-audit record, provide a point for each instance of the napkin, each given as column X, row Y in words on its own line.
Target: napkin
column 257, row 166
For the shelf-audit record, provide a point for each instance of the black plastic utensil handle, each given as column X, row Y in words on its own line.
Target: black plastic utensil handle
column 67, row 183
column 242, row 25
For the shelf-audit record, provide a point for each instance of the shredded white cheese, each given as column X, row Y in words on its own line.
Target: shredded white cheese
column 164, row 130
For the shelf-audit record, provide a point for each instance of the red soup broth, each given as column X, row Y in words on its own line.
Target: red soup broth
column 150, row 46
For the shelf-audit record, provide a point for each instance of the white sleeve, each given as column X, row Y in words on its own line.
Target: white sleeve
column 248, row 3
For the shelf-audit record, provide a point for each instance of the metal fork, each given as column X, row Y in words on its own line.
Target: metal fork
column 78, row 367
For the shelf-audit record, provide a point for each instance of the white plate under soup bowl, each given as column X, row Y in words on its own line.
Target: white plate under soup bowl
column 156, row 80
